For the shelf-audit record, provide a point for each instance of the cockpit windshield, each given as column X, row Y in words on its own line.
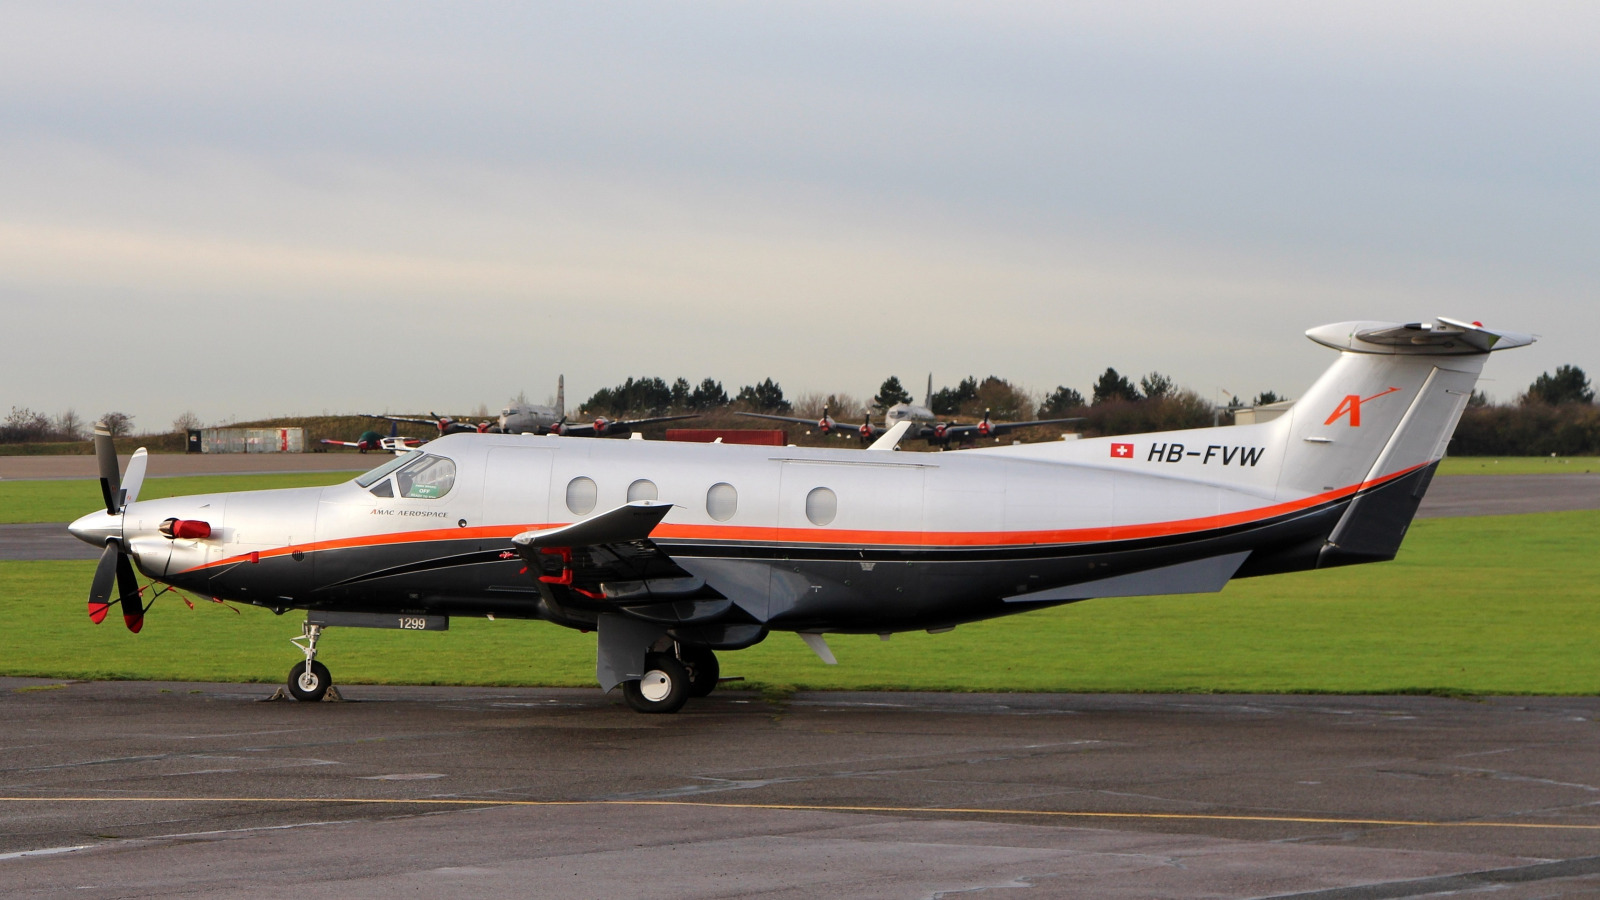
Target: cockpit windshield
column 366, row 480
column 415, row 476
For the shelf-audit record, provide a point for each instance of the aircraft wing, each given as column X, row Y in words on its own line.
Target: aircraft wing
column 795, row 419
column 601, row 428
column 610, row 557
column 341, row 443
column 629, row 522
column 418, row 420
column 840, row 427
column 995, row 429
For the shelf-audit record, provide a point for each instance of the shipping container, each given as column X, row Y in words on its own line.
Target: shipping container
column 252, row 440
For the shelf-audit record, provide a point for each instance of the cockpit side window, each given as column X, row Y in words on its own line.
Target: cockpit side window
column 426, row 478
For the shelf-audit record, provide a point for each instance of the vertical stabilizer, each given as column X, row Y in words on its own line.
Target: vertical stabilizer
column 1378, row 421
column 561, row 396
column 927, row 399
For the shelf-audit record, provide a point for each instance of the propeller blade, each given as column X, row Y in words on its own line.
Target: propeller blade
column 105, row 453
column 128, row 584
column 133, row 479
column 100, row 588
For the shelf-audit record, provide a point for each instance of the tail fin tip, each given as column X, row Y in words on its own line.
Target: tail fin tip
column 1442, row 337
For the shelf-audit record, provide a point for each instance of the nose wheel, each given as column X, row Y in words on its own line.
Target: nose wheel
column 309, row 681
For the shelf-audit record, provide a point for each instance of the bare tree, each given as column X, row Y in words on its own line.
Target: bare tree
column 809, row 405
column 69, row 427
column 118, row 423
column 24, row 425
column 186, row 422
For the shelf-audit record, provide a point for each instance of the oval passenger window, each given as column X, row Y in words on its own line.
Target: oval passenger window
column 581, row 494
column 722, row 501
column 643, row 489
column 821, row 506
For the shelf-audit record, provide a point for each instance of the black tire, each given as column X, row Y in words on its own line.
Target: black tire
column 703, row 669
column 664, row 688
column 309, row 686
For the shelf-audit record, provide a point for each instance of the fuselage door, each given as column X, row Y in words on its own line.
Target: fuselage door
column 516, row 497
column 516, row 487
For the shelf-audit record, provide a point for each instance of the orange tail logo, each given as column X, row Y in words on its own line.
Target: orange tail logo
column 1352, row 404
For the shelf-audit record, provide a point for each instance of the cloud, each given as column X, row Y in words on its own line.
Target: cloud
column 412, row 206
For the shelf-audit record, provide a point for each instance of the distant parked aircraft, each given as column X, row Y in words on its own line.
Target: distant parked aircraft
column 925, row 425
column 527, row 418
column 371, row 440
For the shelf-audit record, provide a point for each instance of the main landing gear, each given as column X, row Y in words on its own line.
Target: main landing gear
column 671, row 678
column 309, row 680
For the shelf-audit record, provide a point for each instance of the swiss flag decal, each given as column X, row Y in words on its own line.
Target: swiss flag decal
column 1122, row 451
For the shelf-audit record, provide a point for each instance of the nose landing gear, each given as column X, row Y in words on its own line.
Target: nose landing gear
column 309, row 681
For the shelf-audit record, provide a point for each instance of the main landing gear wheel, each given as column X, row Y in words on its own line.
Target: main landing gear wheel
column 703, row 669
column 309, row 683
column 663, row 689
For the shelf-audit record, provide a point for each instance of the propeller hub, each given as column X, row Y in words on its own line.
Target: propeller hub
column 96, row 528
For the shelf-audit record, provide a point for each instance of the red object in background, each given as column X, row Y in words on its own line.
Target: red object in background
column 1122, row 451
column 762, row 436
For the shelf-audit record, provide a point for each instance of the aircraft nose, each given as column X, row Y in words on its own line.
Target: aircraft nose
column 96, row 528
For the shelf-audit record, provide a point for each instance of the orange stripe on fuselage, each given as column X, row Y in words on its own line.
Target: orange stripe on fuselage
column 825, row 537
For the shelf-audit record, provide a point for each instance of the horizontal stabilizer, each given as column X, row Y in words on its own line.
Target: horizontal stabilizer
column 629, row 522
column 1443, row 337
column 1202, row 576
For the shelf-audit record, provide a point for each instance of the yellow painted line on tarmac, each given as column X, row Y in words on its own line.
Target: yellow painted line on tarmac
column 806, row 807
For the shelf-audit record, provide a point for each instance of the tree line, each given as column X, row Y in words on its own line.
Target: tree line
column 1556, row 415
column 26, row 426
column 1116, row 403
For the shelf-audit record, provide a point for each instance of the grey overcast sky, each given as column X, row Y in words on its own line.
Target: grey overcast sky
column 258, row 209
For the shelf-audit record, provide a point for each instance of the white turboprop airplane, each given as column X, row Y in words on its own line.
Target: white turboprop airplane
column 674, row 551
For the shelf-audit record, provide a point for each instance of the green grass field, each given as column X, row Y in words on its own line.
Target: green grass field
column 1519, row 465
column 66, row 499
column 1490, row 605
